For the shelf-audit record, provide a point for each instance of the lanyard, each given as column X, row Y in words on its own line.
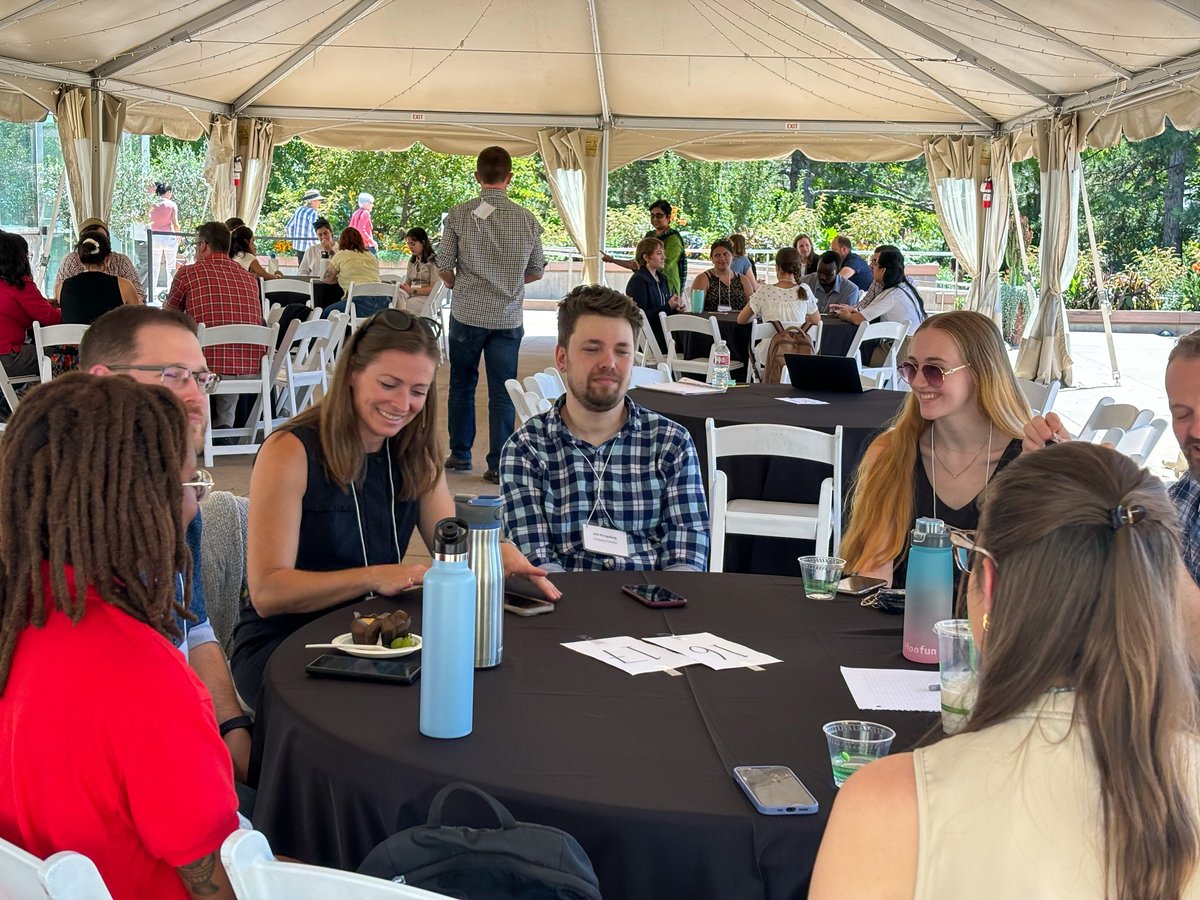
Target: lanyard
column 358, row 511
column 599, row 473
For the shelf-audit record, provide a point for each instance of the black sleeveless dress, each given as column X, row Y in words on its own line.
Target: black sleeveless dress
column 329, row 541
column 965, row 517
column 87, row 296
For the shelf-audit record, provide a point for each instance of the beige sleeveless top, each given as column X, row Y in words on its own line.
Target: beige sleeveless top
column 1014, row 811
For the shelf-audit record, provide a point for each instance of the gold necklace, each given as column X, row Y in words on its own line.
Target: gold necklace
column 937, row 459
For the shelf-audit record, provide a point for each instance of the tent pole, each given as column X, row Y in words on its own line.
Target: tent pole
column 1025, row 273
column 605, row 135
column 1101, row 290
column 95, row 123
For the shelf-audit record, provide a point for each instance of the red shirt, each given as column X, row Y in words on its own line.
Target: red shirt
column 19, row 309
column 217, row 291
column 361, row 219
column 111, row 749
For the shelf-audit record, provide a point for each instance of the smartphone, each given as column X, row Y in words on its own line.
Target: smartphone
column 520, row 586
column 653, row 595
column 527, row 606
column 388, row 671
column 859, row 585
column 775, row 790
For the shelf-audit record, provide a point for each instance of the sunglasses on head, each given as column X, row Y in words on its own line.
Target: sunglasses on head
column 935, row 376
column 399, row 320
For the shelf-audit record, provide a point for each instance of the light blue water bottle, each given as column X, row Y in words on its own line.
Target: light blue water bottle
column 448, row 641
column 928, row 590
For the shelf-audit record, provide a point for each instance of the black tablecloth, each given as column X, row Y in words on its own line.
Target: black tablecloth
column 836, row 336
column 861, row 416
column 736, row 337
column 637, row 768
column 326, row 294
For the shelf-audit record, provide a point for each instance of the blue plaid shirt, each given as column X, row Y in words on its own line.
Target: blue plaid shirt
column 1186, row 495
column 299, row 228
column 650, row 489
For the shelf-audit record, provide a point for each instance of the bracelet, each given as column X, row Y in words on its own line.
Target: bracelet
column 235, row 723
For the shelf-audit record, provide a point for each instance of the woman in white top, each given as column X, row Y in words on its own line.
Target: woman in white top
column 1078, row 772
column 243, row 252
column 422, row 271
column 896, row 300
column 784, row 301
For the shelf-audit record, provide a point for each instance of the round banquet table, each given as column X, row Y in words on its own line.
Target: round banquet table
column 861, row 416
column 836, row 336
column 637, row 768
column 736, row 337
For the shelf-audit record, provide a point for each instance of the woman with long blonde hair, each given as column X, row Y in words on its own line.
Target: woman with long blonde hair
column 1077, row 773
column 962, row 423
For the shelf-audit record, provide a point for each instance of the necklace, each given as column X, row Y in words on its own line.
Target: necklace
column 933, row 451
column 937, row 459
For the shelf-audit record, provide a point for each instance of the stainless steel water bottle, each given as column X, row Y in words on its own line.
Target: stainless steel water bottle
column 482, row 514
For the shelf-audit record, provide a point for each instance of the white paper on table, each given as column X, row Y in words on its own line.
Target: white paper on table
column 803, row 401
column 679, row 387
column 630, row 655
column 712, row 651
column 898, row 689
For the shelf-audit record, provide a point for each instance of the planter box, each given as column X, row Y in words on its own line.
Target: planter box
column 1135, row 321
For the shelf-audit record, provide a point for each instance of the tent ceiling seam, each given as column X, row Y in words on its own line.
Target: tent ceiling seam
column 1190, row 8
column 25, row 12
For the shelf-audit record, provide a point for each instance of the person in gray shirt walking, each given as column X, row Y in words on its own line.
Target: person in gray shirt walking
column 490, row 249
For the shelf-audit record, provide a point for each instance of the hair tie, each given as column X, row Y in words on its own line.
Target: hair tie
column 89, row 242
column 1125, row 515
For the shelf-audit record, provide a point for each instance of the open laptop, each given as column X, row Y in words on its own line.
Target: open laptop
column 823, row 373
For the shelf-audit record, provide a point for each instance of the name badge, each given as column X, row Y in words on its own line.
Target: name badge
column 608, row 541
column 483, row 210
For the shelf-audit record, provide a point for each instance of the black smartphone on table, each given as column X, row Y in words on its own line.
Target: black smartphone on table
column 386, row 671
column 653, row 596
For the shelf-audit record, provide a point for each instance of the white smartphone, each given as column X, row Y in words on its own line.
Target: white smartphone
column 527, row 606
column 775, row 790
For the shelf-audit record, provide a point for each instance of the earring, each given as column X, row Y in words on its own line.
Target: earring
column 987, row 622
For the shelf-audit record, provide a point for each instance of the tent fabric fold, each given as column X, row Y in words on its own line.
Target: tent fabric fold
column 575, row 167
column 218, row 166
column 86, row 118
column 255, row 146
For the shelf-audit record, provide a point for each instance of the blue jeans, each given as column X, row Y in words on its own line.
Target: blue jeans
column 499, row 347
column 364, row 306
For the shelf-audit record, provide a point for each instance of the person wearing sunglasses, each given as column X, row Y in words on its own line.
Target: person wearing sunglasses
column 1078, row 772
column 159, row 347
column 337, row 491
column 961, row 424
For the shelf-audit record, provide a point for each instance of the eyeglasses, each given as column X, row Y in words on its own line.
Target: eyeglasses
column 202, row 483
column 966, row 551
column 658, row 215
column 176, row 378
column 399, row 320
column 934, row 376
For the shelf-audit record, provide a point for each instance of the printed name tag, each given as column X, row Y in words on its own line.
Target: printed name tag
column 608, row 541
column 483, row 210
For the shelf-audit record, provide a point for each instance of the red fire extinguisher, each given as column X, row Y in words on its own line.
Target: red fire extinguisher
column 986, row 190
column 237, row 171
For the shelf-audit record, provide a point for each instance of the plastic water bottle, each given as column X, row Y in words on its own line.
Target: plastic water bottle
column 324, row 263
column 929, row 589
column 448, row 642
column 482, row 514
column 718, row 366
column 272, row 263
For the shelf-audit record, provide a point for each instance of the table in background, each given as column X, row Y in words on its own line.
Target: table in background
column 736, row 337
column 861, row 416
column 637, row 768
column 836, row 336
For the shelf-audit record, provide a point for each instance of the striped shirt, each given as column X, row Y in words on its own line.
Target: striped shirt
column 647, row 481
column 300, row 230
column 490, row 257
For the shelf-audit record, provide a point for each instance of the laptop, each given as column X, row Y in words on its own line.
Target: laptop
column 823, row 373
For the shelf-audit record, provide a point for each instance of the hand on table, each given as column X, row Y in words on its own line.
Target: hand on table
column 394, row 579
column 676, row 302
column 515, row 563
column 1040, row 431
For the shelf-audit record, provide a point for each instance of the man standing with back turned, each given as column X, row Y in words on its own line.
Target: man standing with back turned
column 490, row 249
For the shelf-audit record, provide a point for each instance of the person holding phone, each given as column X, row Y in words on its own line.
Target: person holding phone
column 337, row 491
column 1078, row 771
column 598, row 482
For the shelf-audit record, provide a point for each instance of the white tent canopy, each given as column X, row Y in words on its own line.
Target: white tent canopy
column 847, row 80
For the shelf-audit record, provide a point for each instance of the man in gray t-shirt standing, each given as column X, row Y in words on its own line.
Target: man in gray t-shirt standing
column 490, row 249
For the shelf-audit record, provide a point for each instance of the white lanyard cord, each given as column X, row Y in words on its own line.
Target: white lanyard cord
column 599, row 503
column 358, row 511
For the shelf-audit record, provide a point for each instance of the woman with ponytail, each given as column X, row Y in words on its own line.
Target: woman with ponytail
column 1078, row 772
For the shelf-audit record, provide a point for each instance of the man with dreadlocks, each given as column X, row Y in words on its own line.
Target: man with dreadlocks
column 104, row 723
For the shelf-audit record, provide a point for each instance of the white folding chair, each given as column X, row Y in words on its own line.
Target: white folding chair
column 895, row 332
column 526, row 403
column 256, row 874
column 555, row 376
column 256, row 385
column 815, row 333
column 820, row 522
column 54, row 336
column 647, row 353
column 428, row 306
column 683, row 323
column 8, row 384
column 1132, row 431
column 1139, row 442
column 372, row 289
column 1040, row 397
column 338, row 339
column 544, row 385
column 284, row 286
column 645, row 375
column 300, row 366
column 66, row 875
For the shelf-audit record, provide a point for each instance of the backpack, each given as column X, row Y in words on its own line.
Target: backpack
column 518, row 859
column 785, row 341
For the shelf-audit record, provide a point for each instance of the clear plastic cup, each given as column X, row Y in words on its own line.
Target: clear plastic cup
column 957, row 666
column 853, row 744
column 821, row 575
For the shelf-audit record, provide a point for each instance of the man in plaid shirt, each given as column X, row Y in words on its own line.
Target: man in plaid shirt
column 218, row 291
column 598, row 482
column 1183, row 396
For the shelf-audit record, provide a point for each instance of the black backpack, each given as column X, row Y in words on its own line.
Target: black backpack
column 516, row 860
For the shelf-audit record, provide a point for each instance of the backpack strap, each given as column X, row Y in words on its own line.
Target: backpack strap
column 503, row 816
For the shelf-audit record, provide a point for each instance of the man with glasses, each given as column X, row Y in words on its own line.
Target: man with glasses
column 674, row 249
column 159, row 346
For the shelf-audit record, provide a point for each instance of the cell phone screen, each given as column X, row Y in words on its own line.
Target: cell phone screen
column 526, row 602
column 394, row 671
column 775, row 786
column 654, row 594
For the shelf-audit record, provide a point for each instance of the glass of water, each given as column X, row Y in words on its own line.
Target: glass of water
column 853, row 744
column 821, row 575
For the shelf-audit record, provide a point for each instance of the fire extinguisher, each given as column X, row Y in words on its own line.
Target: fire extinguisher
column 237, row 171
column 986, row 190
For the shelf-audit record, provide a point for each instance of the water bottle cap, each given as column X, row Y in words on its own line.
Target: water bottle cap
column 929, row 525
column 930, row 532
column 479, row 512
column 450, row 537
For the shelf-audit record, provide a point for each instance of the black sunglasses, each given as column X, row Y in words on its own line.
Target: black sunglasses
column 399, row 320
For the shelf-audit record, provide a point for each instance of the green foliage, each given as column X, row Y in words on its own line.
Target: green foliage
column 18, row 197
column 1015, row 308
column 781, row 233
column 626, row 225
column 870, row 225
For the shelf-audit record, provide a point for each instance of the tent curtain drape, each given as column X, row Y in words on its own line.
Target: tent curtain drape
column 255, row 145
column 984, row 295
column 1045, row 353
column 578, row 176
column 218, row 166
column 89, row 129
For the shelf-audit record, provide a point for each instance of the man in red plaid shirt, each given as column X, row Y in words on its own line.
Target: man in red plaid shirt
column 217, row 291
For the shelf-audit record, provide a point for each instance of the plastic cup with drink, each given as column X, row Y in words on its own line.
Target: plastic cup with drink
column 821, row 576
column 853, row 744
column 957, row 665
